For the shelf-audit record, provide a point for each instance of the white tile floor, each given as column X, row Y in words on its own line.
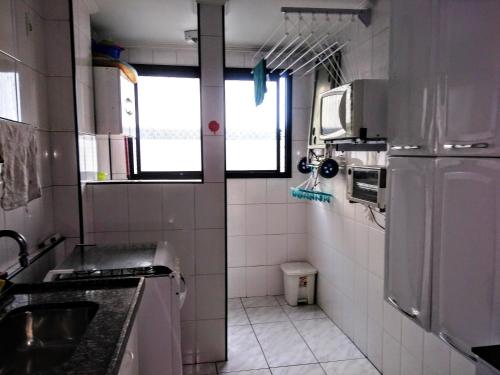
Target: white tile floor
column 268, row 337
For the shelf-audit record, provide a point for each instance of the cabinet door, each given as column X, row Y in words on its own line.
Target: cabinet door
column 408, row 236
column 130, row 360
column 176, row 323
column 466, row 251
column 7, row 31
column 107, row 100
column 469, row 78
column 155, row 327
column 412, row 83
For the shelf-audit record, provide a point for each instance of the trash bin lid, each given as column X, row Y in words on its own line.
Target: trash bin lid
column 298, row 269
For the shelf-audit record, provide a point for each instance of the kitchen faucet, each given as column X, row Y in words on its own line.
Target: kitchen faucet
column 21, row 241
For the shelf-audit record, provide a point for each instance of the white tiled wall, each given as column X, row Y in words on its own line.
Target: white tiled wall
column 34, row 96
column 61, row 114
column 266, row 226
column 263, row 232
column 44, row 98
column 348, row 248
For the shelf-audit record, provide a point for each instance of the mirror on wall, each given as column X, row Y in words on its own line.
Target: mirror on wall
column 138, row 91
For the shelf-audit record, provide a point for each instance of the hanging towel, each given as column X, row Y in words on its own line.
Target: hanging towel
column 259, row 80
column 18, row 151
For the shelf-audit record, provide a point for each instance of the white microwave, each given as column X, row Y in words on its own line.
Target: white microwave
column 356, row 110
column 366, row 185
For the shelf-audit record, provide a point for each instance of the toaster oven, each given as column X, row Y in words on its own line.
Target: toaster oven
column 366, row 185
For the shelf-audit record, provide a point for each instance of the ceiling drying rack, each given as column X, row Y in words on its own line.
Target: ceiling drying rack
column 309, row 39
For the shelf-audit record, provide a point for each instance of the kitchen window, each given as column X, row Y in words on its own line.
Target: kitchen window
column 258, row 138
column 168, row 137
column 167, row 143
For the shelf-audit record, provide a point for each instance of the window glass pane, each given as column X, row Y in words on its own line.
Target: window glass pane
column 250, row 131
column 169, row 124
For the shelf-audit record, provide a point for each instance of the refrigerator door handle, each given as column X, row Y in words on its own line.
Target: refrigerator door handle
column 447, row 339
column 406, row 147
column 414, row 312
column 459, row 146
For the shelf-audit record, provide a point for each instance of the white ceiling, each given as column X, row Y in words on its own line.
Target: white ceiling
column 162, row 22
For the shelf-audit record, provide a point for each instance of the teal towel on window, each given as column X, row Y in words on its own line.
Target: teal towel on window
column 259, row 80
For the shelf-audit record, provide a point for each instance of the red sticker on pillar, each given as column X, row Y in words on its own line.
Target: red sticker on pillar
column 213, row 126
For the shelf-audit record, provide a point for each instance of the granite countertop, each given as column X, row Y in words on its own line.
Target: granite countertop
column 489, row 354
column 101, row 257
column 101, row 348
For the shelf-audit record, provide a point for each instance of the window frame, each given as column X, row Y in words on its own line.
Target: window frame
column 246, row 74
column 229, row 74
column 162, row 71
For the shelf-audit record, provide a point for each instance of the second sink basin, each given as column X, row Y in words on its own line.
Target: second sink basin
column 39, row 337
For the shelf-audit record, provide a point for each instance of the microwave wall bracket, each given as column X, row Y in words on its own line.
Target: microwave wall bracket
column 358, row 144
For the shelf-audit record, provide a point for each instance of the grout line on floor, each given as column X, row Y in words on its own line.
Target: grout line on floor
column 365, row 356
column 302, row 337
column 291, row 321
column 257, row 338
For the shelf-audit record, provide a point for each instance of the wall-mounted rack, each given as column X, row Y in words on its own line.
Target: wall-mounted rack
column 308, row 38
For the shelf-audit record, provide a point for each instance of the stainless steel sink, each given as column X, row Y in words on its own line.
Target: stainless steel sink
column 39, row 337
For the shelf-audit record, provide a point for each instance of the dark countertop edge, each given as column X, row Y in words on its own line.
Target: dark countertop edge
column 108, row 283
column 489, row 354
column 143, row 182
column 114, row 365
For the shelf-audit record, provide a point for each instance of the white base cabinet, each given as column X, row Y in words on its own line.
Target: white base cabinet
column 130, row 359
column 159, row 327
column 154, row 345
column 466, row 252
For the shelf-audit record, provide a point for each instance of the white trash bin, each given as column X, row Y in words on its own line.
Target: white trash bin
column 299, row 279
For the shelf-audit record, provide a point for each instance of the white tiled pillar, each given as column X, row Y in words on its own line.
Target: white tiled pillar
column 210, row 197
column 61, row 116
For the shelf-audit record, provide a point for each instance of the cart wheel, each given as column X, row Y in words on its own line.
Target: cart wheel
column 303, row 166
column 328, row 168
